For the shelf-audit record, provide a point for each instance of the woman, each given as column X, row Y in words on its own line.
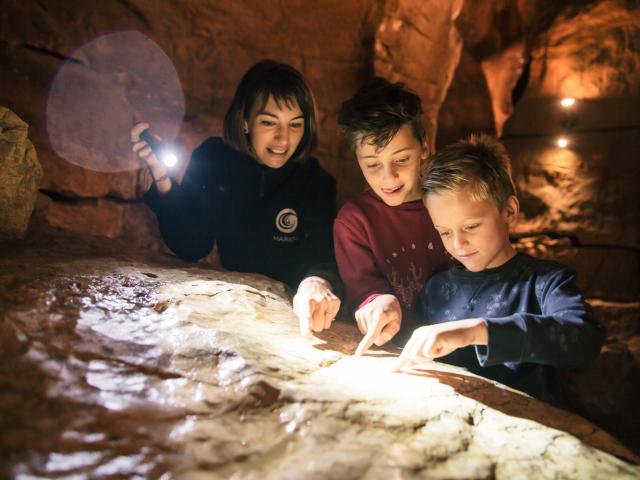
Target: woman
column 257, row 193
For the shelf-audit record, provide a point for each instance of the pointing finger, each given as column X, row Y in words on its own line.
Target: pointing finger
column 405, row 355
column 372, row 332
column 301, row 309
column 365, row 343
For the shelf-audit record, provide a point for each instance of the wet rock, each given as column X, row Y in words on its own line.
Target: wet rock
column 135, row 364
column 20, row 174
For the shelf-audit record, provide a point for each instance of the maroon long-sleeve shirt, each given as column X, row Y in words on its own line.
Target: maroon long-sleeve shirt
column 382, row 249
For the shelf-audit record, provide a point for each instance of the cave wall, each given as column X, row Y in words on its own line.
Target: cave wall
column 211, row 45
column 469, row 60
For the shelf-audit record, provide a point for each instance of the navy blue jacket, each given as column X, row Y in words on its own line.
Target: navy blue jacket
column 537, row 321
column 274, row 221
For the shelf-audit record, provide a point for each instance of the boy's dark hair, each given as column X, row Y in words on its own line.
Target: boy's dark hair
column 480, row 163
column 377, row 111
column 285, row 84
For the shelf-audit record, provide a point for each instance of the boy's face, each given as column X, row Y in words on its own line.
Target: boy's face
column 393, row 172
column 474, row 232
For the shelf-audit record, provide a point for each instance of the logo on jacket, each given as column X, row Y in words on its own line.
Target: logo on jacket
column 287, row 220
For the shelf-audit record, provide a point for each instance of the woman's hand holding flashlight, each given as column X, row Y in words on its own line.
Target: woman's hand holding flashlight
column 143, row 150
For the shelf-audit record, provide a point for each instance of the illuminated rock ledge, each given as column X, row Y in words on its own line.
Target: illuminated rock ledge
column 118, row 363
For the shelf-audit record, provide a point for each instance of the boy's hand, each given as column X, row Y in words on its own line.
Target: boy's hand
column 433, row 341
column 379, row 320
column 315, row 305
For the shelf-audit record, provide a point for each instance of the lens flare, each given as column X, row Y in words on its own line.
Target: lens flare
column 563, row 142
column 96, row 95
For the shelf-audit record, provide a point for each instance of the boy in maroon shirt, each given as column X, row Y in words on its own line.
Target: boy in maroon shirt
column 386, row 245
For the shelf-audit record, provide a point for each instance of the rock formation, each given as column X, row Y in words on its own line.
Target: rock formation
column 20, row 175
column 124, row 363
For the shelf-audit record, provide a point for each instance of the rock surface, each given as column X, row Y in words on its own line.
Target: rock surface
column 20, row 175
column 587, row 52
column 419, row 44
column 123, row 363
column 609, row 274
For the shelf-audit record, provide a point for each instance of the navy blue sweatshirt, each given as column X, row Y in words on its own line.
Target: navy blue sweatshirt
column 537, row 321
column 274, row 221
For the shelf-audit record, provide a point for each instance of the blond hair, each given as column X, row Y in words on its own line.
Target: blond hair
column 479, row 163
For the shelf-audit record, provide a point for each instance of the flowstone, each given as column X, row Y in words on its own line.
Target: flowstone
column 132, row 364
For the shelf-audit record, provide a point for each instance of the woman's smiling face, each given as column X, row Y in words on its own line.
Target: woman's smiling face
column 275, row 131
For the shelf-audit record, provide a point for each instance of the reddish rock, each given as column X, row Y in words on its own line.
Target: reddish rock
column 131, row 222
column 331, row 43
column 502, row 71
column 585, row 51
column 419, row 44
column 494, row 35
column 588, row 52
column 95, row 217
column 467, row 108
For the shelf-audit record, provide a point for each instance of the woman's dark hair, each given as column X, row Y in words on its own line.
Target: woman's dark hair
column 285, row 84
column 378, row 110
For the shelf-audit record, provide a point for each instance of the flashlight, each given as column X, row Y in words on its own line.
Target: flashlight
column 163, row 153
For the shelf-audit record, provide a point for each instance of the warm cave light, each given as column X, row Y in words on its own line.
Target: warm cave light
column 567, row 102
column 563, row 142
